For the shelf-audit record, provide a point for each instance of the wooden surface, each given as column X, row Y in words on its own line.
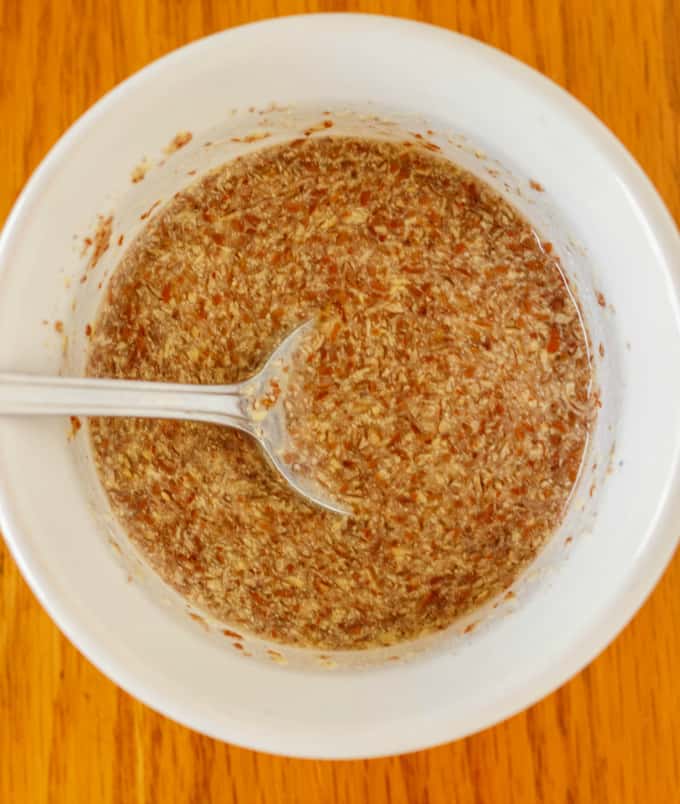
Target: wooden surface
column 612, row 734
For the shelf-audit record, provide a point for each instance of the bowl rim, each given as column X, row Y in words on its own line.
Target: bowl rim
column 596, row 635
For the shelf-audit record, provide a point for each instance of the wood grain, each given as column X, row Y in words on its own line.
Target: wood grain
column 67, row 734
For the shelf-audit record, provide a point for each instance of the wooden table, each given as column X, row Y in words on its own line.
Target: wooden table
column 610, row 735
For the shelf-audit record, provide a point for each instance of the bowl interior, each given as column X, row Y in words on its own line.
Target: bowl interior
column 512, row 128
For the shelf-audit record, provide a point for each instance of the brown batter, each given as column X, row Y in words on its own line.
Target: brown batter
column 445, row 393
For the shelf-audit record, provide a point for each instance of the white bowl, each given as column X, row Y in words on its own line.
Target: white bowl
column 508, row 124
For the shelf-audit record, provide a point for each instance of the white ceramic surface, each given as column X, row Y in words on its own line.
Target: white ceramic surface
column 488, row 112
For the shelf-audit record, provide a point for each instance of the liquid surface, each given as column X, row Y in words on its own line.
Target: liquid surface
column 445, row 393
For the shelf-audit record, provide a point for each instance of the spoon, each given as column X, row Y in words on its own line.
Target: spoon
column 239, row 405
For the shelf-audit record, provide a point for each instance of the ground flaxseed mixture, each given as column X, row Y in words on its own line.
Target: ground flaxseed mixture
column 445, row 393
